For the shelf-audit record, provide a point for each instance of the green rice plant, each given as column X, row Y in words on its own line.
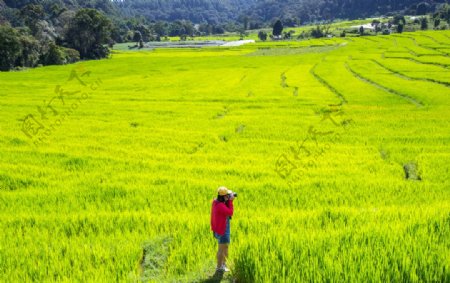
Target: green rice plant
column 121, row 190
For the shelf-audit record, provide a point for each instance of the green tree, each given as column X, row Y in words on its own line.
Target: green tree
column 445, row 12
column 437, row 22
column 218, row 30
column 361, row 30
column 146, row 32
column 399, row 19
column 30, row 51
column 160, row 28
column 71, row 55
column 54, row 56
column 287, row 35
column 242, row 33
column 181, row 28
column 205, row 29
column 377, row 25
column 87, row 33
column 31, row 15
column 424, row 23
column 317, row 32
column 277, row 28
column 262, row 35
column 137, row 36
column 245, row 20
column 56, row 10
column 422, row 8
column 10, row 48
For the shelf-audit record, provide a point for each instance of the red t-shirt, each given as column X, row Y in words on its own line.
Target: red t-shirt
column 219, row 213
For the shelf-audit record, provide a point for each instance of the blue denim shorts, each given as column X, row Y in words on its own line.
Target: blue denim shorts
column 225, row 238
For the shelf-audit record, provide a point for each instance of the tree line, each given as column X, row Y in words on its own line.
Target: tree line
column 48, row 32
column 293, row 12
column 41, row 39
column 197, row 11
column 254, row 14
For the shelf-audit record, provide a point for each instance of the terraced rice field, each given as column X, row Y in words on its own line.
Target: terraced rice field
column 337, row 148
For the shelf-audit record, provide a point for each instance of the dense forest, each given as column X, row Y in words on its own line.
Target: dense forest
column 262, row 12
column 252, row 12
column 197, row 11
column 308, row 11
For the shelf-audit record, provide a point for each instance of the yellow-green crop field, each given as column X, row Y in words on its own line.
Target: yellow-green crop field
column 339, row 150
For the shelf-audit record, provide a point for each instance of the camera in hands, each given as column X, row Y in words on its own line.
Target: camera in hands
column 233, row 195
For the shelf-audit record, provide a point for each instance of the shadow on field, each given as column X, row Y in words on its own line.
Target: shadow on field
column 216, row 277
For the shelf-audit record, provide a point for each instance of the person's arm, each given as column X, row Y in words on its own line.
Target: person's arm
column 212, row 216
column 223, row 209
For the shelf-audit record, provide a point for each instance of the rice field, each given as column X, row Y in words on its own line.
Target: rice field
column 339, row 150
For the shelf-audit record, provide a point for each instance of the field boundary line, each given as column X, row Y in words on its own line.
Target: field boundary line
column 395, row 41
column 433, row 49
column 421, row 46
column 426, row 63
column 434, row 39
column 368, row 39
column 426, row 47
column 412, row 52
column 407, row 77
column 366, row 80
column 327, row 85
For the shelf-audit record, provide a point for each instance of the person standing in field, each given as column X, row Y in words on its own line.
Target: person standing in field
column 221, row 212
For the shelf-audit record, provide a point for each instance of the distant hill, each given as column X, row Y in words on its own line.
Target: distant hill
column 316, row 10
column 263, row 11
column 197, row 11
column 254, row 13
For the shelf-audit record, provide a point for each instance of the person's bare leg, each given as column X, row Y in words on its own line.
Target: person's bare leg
column 220, row 255
column 225, row 253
